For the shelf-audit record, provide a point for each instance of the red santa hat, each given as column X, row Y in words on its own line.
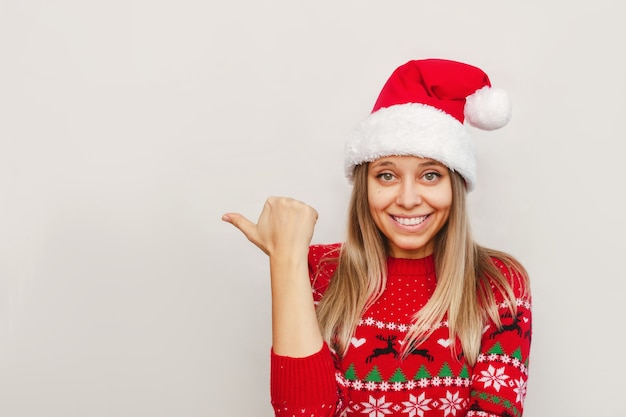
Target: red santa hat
column 421, row 111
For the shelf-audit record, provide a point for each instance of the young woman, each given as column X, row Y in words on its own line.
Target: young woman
column 409, row 316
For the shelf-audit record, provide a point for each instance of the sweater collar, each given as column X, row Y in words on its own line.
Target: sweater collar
column 403, row 266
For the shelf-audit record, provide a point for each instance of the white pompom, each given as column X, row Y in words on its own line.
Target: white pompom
column 488, row 108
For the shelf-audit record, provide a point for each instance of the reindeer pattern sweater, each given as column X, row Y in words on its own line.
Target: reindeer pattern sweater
column 373, row 380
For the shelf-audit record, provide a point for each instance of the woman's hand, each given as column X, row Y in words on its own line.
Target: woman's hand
column 285, row 226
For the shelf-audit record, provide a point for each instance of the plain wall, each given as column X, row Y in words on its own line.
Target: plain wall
column 127, row 128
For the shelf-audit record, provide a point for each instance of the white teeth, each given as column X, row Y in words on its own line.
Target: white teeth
column 410, row 221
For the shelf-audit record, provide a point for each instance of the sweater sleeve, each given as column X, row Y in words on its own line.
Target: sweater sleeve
column 498, row 383
column 308, row 386
column 304, row 386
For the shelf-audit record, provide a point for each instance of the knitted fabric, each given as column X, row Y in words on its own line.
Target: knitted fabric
column 373, row 380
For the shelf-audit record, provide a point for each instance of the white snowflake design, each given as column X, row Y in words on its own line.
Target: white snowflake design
column 376, row 407
column 416, row 405
column 493, row 377
column 520, row 390
column 451, row 404
column 507, row 360
column 401, row 327
column 357, row 385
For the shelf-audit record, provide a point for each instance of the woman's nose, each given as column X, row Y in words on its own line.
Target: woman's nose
column 409, row 194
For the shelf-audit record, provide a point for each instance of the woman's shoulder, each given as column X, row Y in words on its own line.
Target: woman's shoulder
column 318, row 252
column 323, row 259
column 515, row 275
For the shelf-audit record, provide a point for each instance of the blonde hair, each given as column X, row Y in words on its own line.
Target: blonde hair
column 465, row 276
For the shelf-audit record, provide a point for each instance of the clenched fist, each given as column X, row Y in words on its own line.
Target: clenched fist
column 285, row 226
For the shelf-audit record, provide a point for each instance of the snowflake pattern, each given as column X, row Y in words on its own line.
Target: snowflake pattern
column 493, row 377
column 376, row 407
column 482, row 358
column 402, row 327
column 520, row 390
column 451, row 404
column 417, row 405
column 357, row 385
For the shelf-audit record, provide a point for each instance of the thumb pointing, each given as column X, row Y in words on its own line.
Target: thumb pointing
column 243, row 224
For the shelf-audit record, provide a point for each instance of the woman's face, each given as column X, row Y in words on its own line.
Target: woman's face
column 409, row 199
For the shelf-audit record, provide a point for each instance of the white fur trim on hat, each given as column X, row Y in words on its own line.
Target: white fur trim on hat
column 413, row 129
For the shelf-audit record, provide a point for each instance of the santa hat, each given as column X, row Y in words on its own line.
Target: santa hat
column 421, row 111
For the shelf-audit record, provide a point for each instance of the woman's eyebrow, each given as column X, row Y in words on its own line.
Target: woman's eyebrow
column 430, row 163
column 383, row 164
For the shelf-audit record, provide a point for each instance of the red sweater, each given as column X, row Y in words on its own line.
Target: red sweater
column 373, row 380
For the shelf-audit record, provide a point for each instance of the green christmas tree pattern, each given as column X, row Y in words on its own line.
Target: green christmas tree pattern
column 374, row 375
column 398, row 376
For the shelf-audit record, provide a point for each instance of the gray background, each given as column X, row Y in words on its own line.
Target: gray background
column 127, row 128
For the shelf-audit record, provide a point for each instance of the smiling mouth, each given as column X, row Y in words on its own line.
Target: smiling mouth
column 409, row 221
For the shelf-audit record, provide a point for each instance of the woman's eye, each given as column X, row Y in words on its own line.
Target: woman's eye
column 431, row 176
column 385, row 176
